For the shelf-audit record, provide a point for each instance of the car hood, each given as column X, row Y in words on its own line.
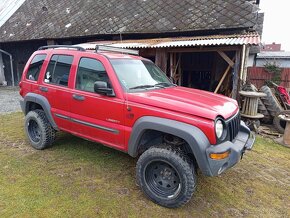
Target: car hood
column 187, row 100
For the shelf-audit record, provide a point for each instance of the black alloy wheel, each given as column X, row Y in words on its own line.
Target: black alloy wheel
column 34, row 132
column 162, row 179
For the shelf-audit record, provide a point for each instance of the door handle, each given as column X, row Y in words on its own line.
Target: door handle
column 78, row 97
column 43, row 89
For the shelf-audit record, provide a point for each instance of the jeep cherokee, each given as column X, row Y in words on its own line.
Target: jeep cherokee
column 116, row 97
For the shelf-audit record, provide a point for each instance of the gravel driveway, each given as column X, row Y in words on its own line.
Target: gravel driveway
column 9, row 99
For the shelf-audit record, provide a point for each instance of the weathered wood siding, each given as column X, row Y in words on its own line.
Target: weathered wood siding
column 258, row 76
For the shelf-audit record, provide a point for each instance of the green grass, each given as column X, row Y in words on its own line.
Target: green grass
column 77, row 178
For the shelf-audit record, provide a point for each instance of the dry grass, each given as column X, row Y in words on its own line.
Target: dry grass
column 82, row 179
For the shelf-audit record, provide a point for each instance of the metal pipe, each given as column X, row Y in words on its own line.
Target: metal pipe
column 12, row 71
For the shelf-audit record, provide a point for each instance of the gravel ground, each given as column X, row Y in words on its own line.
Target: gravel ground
column 9, row 99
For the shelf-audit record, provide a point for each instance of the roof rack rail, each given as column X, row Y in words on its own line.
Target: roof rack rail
column 117, row 50
column 62, row 46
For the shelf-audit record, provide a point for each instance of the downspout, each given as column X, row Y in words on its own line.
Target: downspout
column 11, row 65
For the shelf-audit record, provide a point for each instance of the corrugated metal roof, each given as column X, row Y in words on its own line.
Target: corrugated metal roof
column 274, row 54
column 8, row 8
column 246, row 39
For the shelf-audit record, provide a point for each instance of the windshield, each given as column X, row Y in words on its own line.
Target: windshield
column 139, row 74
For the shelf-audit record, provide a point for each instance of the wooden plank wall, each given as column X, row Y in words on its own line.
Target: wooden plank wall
column 258, row 76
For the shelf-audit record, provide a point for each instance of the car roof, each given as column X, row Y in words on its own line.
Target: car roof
column 109, row 55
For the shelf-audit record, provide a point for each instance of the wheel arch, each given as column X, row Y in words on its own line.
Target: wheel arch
column 192, row 135
column 34, row 101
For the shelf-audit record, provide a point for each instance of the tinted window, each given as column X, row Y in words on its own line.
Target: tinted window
column 58, row 70
column 35, row 66
column 89, row 71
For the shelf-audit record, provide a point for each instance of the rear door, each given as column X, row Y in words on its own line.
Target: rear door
column 95, row 116
column 29, row 82
column 55, row 87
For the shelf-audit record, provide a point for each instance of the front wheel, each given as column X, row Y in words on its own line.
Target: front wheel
column 166, row 176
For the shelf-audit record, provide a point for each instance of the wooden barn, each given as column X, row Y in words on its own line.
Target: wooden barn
column 200, row 44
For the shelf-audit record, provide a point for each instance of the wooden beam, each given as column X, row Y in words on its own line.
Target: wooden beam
column 226, row 58
column 205, row 49
column 223, row 77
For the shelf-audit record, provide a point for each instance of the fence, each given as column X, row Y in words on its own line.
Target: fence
column 258, row 76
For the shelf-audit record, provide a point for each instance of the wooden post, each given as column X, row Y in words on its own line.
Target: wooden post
column 236, row 76
column 171, row 65
column 161, row 59
column 179, row 70
column 245, row 65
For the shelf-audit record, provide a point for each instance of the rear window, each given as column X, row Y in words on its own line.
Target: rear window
column 58, row 70
column 35, row 67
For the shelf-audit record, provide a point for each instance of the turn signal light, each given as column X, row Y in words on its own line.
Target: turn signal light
column 219, row 156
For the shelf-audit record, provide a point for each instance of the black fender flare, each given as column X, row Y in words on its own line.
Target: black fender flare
column 43, row 102
column 196, row 139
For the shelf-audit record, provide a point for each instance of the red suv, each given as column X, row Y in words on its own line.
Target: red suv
column 115, row 97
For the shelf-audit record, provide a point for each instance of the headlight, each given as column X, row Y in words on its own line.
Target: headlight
column 219, row 128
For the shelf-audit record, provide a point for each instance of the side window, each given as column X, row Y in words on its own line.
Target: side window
column 58, row 70
column 35, row 66
column 89, row 71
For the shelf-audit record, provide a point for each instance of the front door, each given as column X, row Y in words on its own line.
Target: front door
column 95, row 116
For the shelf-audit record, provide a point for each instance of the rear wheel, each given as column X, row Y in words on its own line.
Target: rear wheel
column 166, row 176
column 38, row 130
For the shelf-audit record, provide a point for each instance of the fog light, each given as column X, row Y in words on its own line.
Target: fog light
column 219, row 156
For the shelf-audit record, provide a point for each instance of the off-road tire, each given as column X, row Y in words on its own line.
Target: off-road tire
column 263, row 110
column 151, row 176
column 270, row 101
column 38, row 130
column 280, row 124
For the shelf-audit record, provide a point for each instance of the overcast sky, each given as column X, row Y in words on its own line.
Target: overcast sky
column 276, row 22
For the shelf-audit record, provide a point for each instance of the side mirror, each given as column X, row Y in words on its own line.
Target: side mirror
column 101, row 87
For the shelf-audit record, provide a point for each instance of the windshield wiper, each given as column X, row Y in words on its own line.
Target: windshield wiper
column 142, row 87
column 159, row 85
column 164, row 84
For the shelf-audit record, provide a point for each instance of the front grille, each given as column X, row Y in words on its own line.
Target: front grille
column 233, row 126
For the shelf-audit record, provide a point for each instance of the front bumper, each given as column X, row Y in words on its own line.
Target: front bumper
column 243, row 141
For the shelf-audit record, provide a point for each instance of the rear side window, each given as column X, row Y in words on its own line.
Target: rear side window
column 35, row 67
column 58, row 70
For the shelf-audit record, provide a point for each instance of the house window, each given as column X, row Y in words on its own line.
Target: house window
column 89, row 71
column 58, row 70
column 35, row 67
